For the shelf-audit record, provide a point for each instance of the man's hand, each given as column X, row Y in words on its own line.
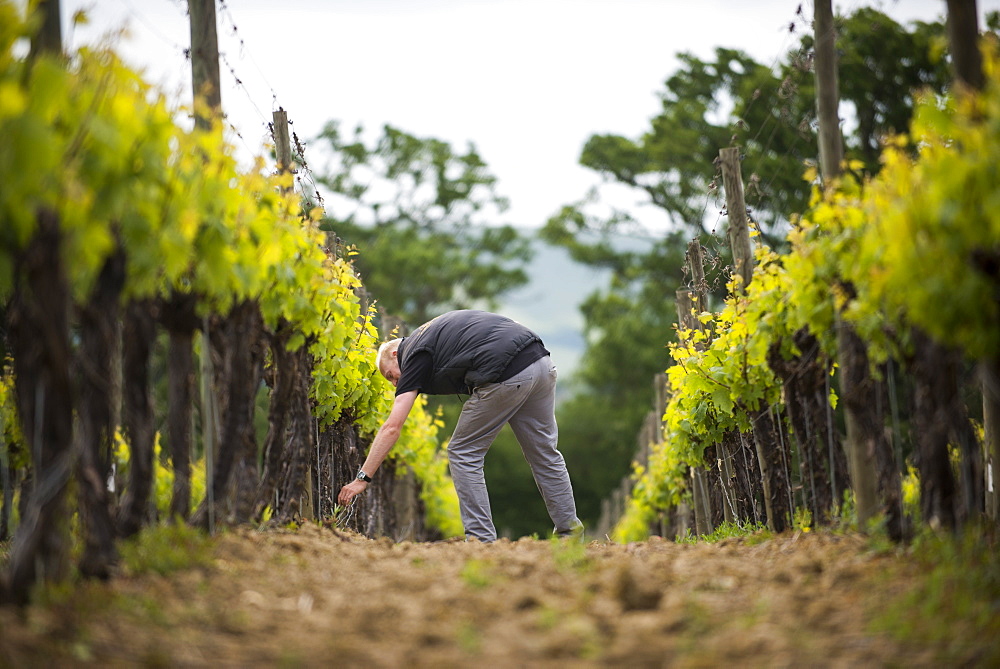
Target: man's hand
column 348, row 492
column 381, row 445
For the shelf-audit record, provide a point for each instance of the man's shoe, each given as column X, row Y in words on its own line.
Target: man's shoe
column 574, row 532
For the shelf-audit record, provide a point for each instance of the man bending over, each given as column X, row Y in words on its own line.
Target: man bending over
column 509, row 377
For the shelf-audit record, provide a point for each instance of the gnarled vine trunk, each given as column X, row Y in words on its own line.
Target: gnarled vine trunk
column 281, row 377
column 294, row 489
column 178, row 317
column 138, row 333
column 822, row 462
column 940, row 418
column 238, row 351
column 390, row 507
column 39, row 335
column 771, row 445
column 99, row 341
column 248, row 348
column 747, row 485
column 862, row 398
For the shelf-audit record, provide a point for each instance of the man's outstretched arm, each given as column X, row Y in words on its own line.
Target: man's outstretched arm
column 385, row 439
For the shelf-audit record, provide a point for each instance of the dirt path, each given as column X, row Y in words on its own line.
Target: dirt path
column 317, row 597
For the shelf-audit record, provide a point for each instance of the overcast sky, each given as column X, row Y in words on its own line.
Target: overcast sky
column 527, row 81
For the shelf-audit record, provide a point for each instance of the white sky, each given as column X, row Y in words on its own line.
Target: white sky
column 527, row 81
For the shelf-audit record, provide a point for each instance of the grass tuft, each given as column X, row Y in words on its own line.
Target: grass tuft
column 954, row 598
column 728, row 530
column 165, row 549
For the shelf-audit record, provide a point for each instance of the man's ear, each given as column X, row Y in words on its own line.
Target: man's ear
column 393, row 353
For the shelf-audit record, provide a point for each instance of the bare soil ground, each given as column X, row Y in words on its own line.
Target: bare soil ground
column 322, row 597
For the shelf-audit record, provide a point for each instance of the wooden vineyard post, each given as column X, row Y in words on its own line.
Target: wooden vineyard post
column 282, row 143
column 967, row 67
column 831, row 152
column 309, row 506
column 48, row 39
column 696, row 265
column 205, row 79
column 736, row 208
column 769, row 454
column 851, row 355
column 831, row 147
column 963, row 43
column 702, row 502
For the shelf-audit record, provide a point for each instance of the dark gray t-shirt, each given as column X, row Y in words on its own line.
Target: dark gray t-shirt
column 420, row 367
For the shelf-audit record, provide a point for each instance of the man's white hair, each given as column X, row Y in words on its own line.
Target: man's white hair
column 384, row 355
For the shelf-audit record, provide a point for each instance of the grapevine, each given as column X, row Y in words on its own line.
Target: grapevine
column 914, row 246
column 104, row 153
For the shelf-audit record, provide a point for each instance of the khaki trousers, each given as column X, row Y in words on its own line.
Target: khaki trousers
column 527, row 402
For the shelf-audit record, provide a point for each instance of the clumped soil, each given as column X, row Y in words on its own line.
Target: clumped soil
column 319, row 596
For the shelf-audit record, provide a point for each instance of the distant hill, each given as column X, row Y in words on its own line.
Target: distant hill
column 549, row 304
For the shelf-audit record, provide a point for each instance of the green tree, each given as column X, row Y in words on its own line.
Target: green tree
column 423, row 219
column 731, row 100
column 882, row 65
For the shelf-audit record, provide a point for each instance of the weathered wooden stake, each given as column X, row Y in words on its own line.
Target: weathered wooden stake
column 702, row 502
column 831, row 146
column 963, row 43
column 696, row 265
column 831, row 155
column 739, row 231
column 206, row 86
column 48, row 39
column 282, row 143
column 967, row 66
column 311, row 503
column 206, row 82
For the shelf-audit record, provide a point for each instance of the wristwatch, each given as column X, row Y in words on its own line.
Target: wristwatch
column 363, row 477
